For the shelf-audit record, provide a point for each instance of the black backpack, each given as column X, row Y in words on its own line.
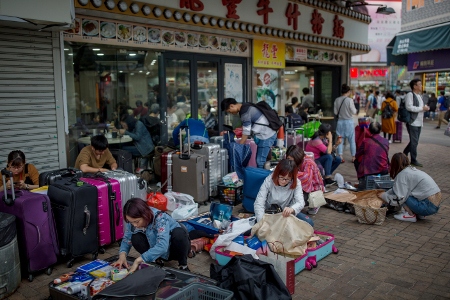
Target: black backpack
column 271, row 115
column 153, row 126
column 387, row 112
column 447, row 101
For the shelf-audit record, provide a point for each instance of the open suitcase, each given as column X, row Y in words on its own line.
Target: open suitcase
column 190, row 172
column 49, row 177
column 74, row 206
column 212, row 155
column 34, row 219
column 110, row 218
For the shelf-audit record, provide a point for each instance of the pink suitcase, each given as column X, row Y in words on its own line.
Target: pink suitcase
column 110, row 218
column 292, row 138
column 254, row 148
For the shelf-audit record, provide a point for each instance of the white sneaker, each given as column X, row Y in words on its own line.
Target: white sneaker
column 390, row 141
column 405, row 216
column 313, row 210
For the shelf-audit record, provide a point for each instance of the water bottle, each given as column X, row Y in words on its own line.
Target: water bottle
column 320, row 113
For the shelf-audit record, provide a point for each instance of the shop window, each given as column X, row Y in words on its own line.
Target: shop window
column 414, row 4
column 104, row 82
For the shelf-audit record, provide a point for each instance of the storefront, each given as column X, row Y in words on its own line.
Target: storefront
column 193, row 53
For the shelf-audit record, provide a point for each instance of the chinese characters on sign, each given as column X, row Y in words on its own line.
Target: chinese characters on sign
column 317, row 22
column 403, row 46
column 268, row 54
column 338, row 29
column 292, row 14
column 265, row 10
column 231, row 8
column 194, row 5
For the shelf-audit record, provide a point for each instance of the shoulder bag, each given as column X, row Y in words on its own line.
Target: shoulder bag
column 316, row 199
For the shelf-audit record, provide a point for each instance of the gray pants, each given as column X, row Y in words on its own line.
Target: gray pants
column 414, row 134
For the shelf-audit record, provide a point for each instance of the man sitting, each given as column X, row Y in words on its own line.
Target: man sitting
column 372, row 156
column 92, row 159
column 293, row 120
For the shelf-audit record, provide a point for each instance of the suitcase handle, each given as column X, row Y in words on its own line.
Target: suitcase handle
column 182, row 155
column 8, row 201
column 117, row 214
column 88, row 219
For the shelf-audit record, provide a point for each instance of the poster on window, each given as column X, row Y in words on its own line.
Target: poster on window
column 267, row 82
column 233, row 82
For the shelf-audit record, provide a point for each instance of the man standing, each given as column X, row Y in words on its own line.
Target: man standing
column 442, row 109
column 253, row 121
column 308, row 99
column 414, row 104
column 371, row 106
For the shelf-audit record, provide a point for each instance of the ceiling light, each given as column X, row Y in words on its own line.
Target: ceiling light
column 147, row 73
column 132, row 54
column 100, row 54
column 131, row 74
column 96, row 49
column 120, row 71
column 209, row 71
column 66, row 49
column 140, row 71
column 70, row 54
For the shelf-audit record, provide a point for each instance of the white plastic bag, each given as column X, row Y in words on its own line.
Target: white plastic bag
column 185, row 211
column 175, row 200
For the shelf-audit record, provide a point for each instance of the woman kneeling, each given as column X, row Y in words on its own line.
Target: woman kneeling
column 154, row 234
column 284, row 189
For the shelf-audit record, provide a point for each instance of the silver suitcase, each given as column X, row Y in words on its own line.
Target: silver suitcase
column 223, row 163
column 216, row 140
column 130, row 185
column 212, row 156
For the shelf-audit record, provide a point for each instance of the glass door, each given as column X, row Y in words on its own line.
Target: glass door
column 326, row 88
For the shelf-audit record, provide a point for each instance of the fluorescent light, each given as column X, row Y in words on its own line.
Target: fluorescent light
column 66, row 49
column 140, row 71
column 132, row 54
column 209, row 71
column 96, row 49
column 132, row 74
column 70, row 54
column 100, row 54
column 120, row 71
column 147, row 73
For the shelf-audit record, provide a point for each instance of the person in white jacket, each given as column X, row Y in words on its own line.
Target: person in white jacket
column 282, row 187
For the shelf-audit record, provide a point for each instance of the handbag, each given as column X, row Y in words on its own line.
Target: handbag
column 316, row 199
column 369, row 215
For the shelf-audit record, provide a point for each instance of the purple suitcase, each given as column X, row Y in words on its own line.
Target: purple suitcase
column 110, row 218
column 254, row 148
column 292, row 138
column 36, row 232
column 397, row 136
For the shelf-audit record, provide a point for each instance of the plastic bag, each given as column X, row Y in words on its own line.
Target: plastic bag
column 185, row 211
column 175, row 200
column 157, row 200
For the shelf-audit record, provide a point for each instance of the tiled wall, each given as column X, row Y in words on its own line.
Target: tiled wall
column 430, row 14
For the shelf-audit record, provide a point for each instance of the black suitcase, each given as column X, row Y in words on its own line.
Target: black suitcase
column 74, row 205
column 124, row 159
column 49, row 177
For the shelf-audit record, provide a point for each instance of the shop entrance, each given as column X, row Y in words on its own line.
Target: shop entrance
column 193, row 86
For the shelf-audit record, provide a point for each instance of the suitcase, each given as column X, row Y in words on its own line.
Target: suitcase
column 157, row 159
column 130, row 185
column 212, row 157
column 49, row 177
column 397, row 136
column 190, row 172
column 254, row 178
column 110, row 218
column 166, row 171
column 124, row 159
column 216, row 140
column 198, row 244
column 74, row 205
column 35, row 226
column 224, row 158
column 292, row 138
column 253, row 148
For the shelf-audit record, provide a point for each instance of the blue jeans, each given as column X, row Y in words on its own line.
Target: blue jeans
column 421, row 207
column 329, row 163
column 135, row 152
column 263, row 150
column 305, row 218
column 346, row 129
column 414, row 135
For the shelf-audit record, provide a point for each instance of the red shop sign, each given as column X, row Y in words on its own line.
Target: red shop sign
column 355, row 72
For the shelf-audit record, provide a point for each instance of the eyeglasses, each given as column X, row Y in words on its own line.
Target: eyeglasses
column 16, row 168
column 280, row 178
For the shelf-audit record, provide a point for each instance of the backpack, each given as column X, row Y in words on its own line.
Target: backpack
column 153, row 126
column 447, row 101
column 373, row 101
column 294, row 121
column 387, row 112
column 404, row 115
column 271, row 115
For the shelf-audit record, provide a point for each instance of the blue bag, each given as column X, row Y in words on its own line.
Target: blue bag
column 239, row 155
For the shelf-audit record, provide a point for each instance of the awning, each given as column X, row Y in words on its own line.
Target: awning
column 398, row 60
column 424, row 39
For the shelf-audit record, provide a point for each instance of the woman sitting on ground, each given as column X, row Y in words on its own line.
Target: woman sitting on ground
column 283, row 189
column 308, row 173
column 372, row 157
column 25, row 176
column 321, row 144
column 154, row 234
column 414, row 190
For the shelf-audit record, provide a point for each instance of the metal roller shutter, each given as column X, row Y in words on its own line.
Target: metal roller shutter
column 28, row 119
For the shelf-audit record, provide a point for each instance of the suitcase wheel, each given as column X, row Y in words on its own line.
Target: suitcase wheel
column 70, row 263
column 101, row 250
column 49, row 271
column 94, row 255
column 308, row 266
column 334, row 249
column 30, row 277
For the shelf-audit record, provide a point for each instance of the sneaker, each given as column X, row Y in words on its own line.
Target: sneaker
column 329, row 182
column 390, row 141
column 405, row 216
column 421, row 217
column 416, row 164
column 437, row 127
column 313, row 210
column 184, row 268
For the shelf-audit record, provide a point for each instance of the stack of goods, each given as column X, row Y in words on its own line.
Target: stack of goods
column 230, row 192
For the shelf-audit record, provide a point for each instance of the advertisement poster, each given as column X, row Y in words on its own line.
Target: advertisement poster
column 381, row 31
column 233, row 82
column 268, row 81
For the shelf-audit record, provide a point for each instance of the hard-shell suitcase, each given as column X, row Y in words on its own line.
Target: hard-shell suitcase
column 124, row 159
column 37, row 237
column 157, row 159
column 190, row 172
column 224, row 158
column 212, row 156
column 110, row 218
column 49, row 177
column 166, row 171
column 397, row 136
column 253, row 148
column 130, row 185
column 74, row 205
column 254, row 178
column 217, row 140
column 292, row 138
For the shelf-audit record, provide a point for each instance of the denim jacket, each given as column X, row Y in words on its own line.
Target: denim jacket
column 141, row 139
column 158, row 236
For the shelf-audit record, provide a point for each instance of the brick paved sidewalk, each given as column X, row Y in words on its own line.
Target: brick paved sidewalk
column 397, row 260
